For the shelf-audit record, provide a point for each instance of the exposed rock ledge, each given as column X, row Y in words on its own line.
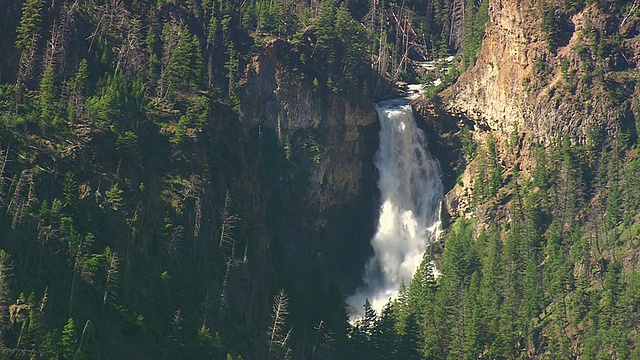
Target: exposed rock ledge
column 504, row 91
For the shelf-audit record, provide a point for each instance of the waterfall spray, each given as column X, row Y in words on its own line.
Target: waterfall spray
column 411, row 191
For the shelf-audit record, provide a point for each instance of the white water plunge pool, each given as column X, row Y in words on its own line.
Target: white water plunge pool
column 411, row 191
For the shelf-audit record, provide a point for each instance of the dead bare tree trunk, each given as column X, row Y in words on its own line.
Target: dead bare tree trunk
column 20, row 202
column 111, row 277
column 278, row 338
column 228, row 223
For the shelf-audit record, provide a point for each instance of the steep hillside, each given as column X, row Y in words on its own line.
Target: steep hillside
column 546, row 71
column 542, row 259
column 166, row 169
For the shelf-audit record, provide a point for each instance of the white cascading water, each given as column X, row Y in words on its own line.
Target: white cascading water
column 411, row 191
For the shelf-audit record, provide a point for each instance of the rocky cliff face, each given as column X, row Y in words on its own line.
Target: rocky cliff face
column 508, row 90
column 316, row 150
column 525, row 89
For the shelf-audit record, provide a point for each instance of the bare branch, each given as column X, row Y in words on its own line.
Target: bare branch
column 279, row 339
column 113, row 262
column 3, row 162
column 20, row 202
column 228, row 223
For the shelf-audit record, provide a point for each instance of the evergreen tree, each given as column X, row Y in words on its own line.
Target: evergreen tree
column 29, row 30
column 77, row 88
column 185, row 63
column 47, row 98
column 475, row 21
column 68, row 340
column 351, row 47
column 459, row 263
column 494, row 167
column 324, row 26
column 491, row 283
column 367, row 323
column 385, row 337
column 422, row 287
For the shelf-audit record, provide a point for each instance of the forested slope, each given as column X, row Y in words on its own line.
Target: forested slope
column 166, row 191
column 542, row 258
column 142, row 194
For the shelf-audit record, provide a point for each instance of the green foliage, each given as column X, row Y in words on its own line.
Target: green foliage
column 184, row 68
column 113, row 196
column 447, row 73
column 324, row 25
column 550, row 27
column 48, row 101
column 5, row 276
column 473, row 31
column 467, row 144
column 192, row 123
column 277, row 17
column 28, row 32
column 552, row 282
column 137, row 119
column 349, row 50
column 488, row 172
column 312, row 148
column 541, row 67
column 494, row 167
column 68, row 340
column 80, row 83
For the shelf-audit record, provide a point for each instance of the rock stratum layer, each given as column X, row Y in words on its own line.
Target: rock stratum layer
column 533, row 86
column 509, row 92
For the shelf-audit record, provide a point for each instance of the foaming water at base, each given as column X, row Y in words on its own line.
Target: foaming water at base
column 411, row 191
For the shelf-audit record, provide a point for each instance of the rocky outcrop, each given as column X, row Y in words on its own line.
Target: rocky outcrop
column 524, row 89
column 509, row 92
column 316, row 151
column 275, row 99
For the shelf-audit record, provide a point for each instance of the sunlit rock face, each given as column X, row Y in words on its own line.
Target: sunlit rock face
column 518, row 85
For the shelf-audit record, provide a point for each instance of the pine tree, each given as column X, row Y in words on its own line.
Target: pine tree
column 47, row 98
column 474, row 326
column 68, row 340
column 29, row 30
column 459, row 263
column 384, row 338
column 491, row 282
column 612, row 290
column 475, row 21
column 185, row 64
column 351, row 40
column 409, row 341
column 367, row 323
column 324, row 26
column 494, row 167
column 422, row 288
column 77, row 89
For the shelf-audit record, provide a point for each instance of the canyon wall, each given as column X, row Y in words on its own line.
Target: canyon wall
column 531, row 85
column 316, row 150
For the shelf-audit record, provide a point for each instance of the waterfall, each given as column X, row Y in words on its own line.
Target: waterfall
column 411, row 191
